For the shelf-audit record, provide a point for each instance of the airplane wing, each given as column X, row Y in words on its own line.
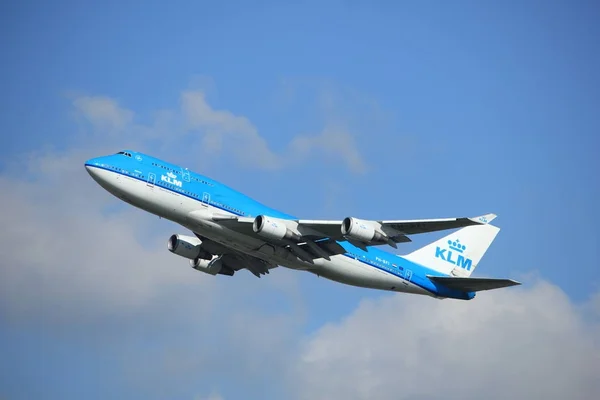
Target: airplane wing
column 396, row 230
column 310, row 239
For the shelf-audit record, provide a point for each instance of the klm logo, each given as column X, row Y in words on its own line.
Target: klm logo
column 171, row 178
column 453, row 254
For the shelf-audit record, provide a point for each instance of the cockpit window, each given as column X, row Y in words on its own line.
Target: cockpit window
column 125, row 154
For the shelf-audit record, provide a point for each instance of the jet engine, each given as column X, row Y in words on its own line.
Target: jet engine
column 188, row 247
column 211, row 267
column 362, row 230
column 273, row 228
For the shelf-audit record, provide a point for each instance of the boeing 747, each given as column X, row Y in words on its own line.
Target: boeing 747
column 230, row 231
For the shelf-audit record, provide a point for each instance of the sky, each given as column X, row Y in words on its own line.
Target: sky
column 378, row 110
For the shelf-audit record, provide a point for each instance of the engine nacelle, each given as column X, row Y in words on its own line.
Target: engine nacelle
column 273, row 228
column 188, row 247
column 362, row 230
column 211, row 267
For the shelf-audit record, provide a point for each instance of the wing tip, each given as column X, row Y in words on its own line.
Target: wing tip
column 484, row 219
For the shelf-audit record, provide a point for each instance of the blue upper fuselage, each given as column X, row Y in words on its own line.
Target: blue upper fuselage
column 203, row 189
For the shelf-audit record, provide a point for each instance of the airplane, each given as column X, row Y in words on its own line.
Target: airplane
column 232, row 231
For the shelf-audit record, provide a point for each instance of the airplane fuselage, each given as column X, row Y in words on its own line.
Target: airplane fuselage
column 190, row 199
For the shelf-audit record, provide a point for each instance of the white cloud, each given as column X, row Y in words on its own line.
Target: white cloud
column 514, row 343
column 333, row 141
column 59, row 249
column 214, row 133
column 104, row 112
column 222, row 126
column 224, row 131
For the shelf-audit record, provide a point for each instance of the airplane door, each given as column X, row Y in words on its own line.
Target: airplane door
column 206, row 198
column 407, row 274
column 151, row 180
column 185, row 174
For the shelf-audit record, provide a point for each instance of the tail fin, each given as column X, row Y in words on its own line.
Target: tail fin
column 459, row 253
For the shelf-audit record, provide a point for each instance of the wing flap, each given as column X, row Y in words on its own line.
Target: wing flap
column 234, row 260
column 327, row 246
column 472, row 284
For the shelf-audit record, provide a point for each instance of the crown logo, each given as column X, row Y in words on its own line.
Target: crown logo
column 171, row 175
column 456, row 246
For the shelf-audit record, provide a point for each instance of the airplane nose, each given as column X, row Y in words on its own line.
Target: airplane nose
column 89, row 167
column 90, row 170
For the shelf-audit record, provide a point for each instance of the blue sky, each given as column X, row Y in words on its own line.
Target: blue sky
column 380, row 109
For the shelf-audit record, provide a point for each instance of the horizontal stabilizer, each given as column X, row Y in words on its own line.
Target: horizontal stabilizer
column 472, row 284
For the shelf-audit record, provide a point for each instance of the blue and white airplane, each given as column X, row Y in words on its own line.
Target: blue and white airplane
column 233, row 232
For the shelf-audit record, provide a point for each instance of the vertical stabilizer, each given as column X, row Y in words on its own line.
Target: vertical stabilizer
column 457, row 254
